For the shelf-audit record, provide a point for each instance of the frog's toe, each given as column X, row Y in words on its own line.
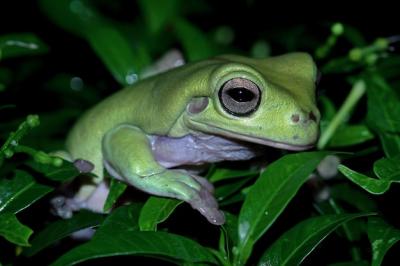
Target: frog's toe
column 83, row 166
column 204, row 183
column 208, row 207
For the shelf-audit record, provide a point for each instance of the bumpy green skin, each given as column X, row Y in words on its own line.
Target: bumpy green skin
column 158, row 106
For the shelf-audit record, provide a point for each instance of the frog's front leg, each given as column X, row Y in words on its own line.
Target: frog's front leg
column 128, row 156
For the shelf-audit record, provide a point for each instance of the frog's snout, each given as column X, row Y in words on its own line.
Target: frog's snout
column 304, row 117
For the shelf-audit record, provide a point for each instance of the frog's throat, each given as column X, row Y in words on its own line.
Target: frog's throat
column 252, row 139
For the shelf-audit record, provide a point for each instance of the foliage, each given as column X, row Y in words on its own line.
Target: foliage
column 89, row 52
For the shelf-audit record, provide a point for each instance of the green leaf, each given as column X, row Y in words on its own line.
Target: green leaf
column 220, row 174
column 64, row 173
column 382, row 237
column 116, row 190
column 20, row 44
column 372, row 185
column 10, row 190
column 158, row 13
column 160, row 245
column 235, row 198
column 269, row 196
column 106, row 40
column 76, row 17
column 383, row 105
column 383, row 113
column 27, row 198
column 225, row 191
column 350, row 135
column 388, row 168
column 118, row 236
column 328, row 108
column 61, row 229
column 155, row 211
column 195, row 43
column 12, row 230
column 124, row 218
column 298, row 242
column 230, row 226
column 115, row 52
column 355, row 197
column 390, row 143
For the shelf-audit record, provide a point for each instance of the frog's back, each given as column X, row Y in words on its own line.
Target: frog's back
column 152, row 104
column 84, row 140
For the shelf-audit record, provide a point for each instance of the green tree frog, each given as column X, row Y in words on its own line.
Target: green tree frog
column 209, row 111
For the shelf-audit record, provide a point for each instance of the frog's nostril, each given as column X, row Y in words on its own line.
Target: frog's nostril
column 295, row 118
column 312, row 117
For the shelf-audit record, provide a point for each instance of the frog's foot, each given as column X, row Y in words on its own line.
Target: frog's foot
column 207, row 205
column 64, row 207
column 195, row 190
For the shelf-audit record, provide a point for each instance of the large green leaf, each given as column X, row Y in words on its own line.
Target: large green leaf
column 27, row 197
column 20, row 44
column 269, row 196
column 12, row 230
column 298, row 242
column 160, row 245
column 11, row 190
column 106, row 40
column 119, row 235
column 62, row 228
column 382, row 237
column 115, row 52
column 156, row 210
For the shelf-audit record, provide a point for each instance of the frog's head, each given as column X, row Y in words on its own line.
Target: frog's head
column 265, row 101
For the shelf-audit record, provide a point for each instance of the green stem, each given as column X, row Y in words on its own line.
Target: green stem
column 14, row 138
column 220, row 257
column 354, row 250
column 25, row 149
column 357, row 91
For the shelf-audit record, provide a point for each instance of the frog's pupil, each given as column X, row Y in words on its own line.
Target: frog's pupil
column 241, row 94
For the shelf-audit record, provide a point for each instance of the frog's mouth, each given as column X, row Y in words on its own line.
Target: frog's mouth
column 252, row 139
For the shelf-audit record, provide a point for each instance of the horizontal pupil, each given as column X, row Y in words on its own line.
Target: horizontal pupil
column 241, row 94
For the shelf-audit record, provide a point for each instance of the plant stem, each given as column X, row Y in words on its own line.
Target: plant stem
column 357, row 91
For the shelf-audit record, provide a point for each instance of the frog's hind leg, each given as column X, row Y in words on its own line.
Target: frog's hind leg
column 92, row 192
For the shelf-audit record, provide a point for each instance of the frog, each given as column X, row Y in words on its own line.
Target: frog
column 152, row 133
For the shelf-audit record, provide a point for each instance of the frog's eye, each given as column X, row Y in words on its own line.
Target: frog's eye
column 239, row 96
